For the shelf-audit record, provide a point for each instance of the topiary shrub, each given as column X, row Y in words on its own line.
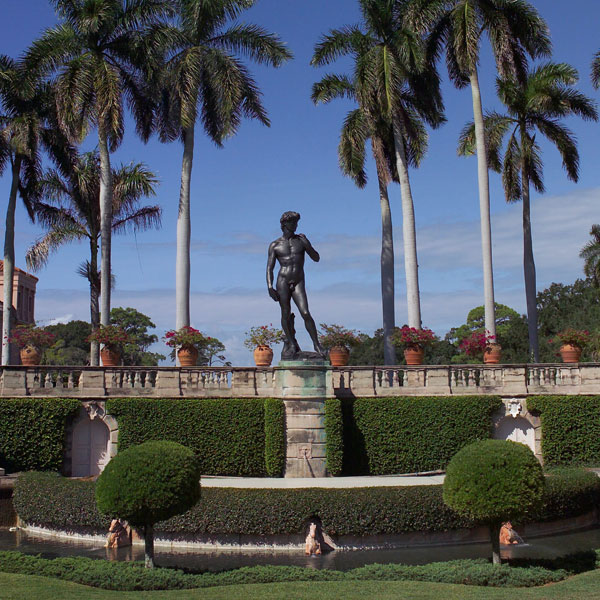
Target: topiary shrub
column 149, row 483
column 494, row 481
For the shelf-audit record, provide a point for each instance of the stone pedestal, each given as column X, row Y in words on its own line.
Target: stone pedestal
column 304, row 385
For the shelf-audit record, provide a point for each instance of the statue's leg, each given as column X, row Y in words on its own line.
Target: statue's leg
column 290, row 345
column 299, row 296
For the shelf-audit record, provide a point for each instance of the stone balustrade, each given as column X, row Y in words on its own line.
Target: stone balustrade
column 243, row 382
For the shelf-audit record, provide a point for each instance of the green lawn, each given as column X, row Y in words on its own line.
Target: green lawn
column 580, row 587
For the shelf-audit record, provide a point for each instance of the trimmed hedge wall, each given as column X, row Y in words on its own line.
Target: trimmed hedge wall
column 570, row 428
column 334, row 436
column 49, row 500
column 384, row 436
column 32, row 432
column 274, row 437
column 227, row 435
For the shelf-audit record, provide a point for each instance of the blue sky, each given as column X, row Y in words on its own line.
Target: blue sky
column 239, row 192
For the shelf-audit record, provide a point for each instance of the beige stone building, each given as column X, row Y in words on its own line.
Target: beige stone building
column 23, row 309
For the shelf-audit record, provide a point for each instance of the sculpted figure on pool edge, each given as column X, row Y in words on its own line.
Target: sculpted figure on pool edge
column 289, row 250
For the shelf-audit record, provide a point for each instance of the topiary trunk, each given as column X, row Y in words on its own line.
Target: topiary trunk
column 495, row 537
column 149, row 547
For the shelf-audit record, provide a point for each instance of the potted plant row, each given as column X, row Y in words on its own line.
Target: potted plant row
column 482, row 345
column 112, row 338
column 187, row 342
column 338, row 340
column 573, row 341
column 259, row 340
column 31, row 340
column 413, row 341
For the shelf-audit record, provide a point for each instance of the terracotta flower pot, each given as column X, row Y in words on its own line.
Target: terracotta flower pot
column 110, row 357
column 338, row 355
column 263, row 356
column 570, row 353
column 30, row 356
column 188, row 356
column 414, row 355
column 492, row 354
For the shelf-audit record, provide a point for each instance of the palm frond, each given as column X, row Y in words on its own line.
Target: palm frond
column 333, row 86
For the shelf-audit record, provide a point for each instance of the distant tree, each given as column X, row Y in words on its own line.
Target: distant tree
column 494, row 481
column 369, row 351
column 591, row 255
column 535, row 106
column 71, row 346
column 136, row 325
column 149, row 483
column 212, row 353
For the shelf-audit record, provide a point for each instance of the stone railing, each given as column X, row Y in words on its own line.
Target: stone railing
column 243, row 382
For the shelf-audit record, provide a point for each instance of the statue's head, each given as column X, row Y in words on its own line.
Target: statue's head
column 289, row 220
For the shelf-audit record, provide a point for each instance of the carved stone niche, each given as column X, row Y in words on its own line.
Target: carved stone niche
column 95, row 410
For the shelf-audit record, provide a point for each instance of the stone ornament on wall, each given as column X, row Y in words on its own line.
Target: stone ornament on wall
column 514, row 407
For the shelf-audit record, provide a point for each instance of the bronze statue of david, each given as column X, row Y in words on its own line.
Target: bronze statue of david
column 289, row 250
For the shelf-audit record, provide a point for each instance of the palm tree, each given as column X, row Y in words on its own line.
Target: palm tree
column 71, row 212
column 514, row 29
column 204, row 78
column 27, row 125
column 99, row 55
column 596, row 70
column 591, row 255
column 395, row 83
column 535, row 105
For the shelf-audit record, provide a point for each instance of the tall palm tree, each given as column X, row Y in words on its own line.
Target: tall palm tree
column 395, row 82
column 28, row 125
column 359, row 126
column 204, row 78
column 514, row 29
column 535, row 105
column 591, row 255
column 70, row 210
column 99, row 55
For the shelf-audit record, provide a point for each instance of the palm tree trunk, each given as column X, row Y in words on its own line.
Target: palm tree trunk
column 9, row 261
column 106, row 201
column 94, row 304
column 529, row 264
column 182, row 266
column 484, row 206
column 387, row 273
column 409, row 234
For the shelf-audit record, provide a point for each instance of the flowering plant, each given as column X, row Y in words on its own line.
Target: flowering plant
column 476, row 343
column 411, row 336
column 30, row 335
column 575, row 337
column 112, row 336
column 263, row 335
column 336, row 335
column 186, row 336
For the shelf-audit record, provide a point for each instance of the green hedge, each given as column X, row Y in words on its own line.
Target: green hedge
column 570, row 428
column 32, row 432
column 132, row 576
column 384, row 436
column 334, row 436
column 49, row 500
column 274, row 437
column 228, row 435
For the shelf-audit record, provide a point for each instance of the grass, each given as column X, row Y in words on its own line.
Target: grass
column 579, row 587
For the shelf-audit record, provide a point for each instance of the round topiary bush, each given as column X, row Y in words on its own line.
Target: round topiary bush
column 149, row 483
column 494, row 481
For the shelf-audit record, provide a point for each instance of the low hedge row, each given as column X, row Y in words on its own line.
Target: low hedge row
column 570, row 428
column 32, row 432
column 49, row 500
column 228, row 435
column 384, row 436
column 128, row 576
